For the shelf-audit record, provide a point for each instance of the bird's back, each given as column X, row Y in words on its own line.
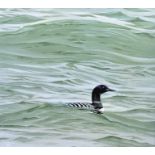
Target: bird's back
column 81, row 105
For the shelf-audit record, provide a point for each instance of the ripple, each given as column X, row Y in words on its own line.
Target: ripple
column 113, row 140
column 51, row 57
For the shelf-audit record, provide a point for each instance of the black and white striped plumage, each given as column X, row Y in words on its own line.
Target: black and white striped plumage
column 81, row 105
column 96, row 104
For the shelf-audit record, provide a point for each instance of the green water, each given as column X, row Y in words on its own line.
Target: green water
column 50, row 57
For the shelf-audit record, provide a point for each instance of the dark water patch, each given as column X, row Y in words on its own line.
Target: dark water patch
column 14, row 126
column 113, row 140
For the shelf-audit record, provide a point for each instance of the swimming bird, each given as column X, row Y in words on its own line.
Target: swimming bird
column 96, row 104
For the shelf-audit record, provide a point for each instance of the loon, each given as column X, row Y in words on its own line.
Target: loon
column 96, row 104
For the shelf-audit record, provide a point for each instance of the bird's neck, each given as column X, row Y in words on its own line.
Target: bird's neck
column 96, row 100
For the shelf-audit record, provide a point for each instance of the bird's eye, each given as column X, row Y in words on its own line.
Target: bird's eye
column 101, row 87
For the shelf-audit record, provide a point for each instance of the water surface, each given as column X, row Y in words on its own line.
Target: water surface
column 50, row 57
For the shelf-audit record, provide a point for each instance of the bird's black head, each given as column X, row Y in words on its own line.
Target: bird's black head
column 102, row 89
column 97, row 91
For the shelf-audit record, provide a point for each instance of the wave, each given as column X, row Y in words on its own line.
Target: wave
column 130, row 141
column 49, row 57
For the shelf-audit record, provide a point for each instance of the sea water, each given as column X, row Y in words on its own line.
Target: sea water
column 51, row 57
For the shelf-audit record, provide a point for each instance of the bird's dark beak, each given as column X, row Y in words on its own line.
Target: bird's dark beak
column 110, row 89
